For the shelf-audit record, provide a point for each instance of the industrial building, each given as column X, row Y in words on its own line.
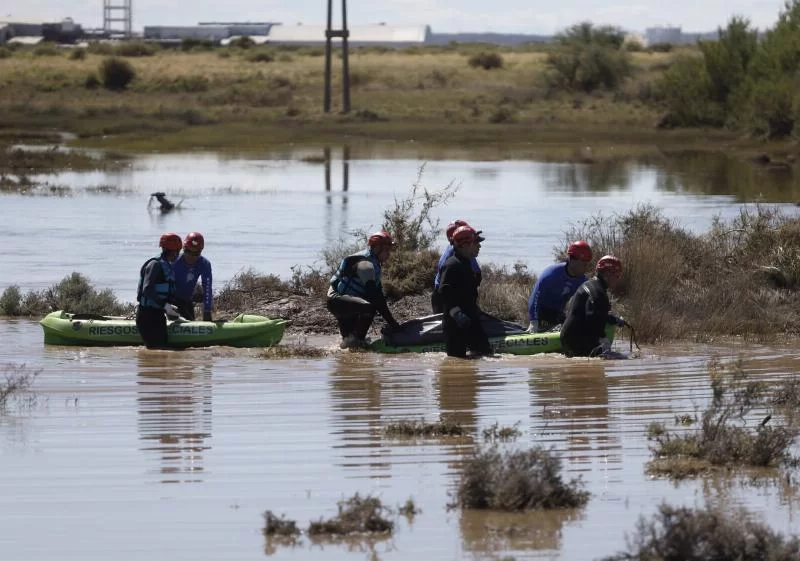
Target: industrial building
column 28, row 32
column 360, row 35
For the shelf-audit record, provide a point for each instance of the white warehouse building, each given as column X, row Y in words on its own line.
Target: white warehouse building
column 360, row 35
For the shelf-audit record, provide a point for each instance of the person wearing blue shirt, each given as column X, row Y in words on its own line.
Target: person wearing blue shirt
column 556, row 285
column 188, row 268
column 436, row 297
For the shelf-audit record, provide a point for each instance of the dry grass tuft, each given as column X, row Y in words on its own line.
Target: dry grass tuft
column 684, row 534
column 723, row 439
column 357, row 515
column 516, row 480
column 445, row 426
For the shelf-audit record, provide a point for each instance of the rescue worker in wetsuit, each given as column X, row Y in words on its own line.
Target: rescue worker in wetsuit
column 165, row 204
column 555, row 286
column 461, row 321
column 436, row 300
column 356, row 294
column 156, row 293
column 190, row 266
column 588, row 312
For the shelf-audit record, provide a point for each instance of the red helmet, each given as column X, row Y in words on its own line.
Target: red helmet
column 610, row 264
column 466, row 234
column 380, row 238
column 170, row 241
column 579, row 250
column 452, row 228
column 194, row 242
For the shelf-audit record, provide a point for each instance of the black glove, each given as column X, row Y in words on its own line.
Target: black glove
column 462, row 320
column 207, row 316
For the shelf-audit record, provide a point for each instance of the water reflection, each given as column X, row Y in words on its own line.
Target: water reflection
column 595, row 178
column 334, row 234
column 718, row 174
column 573, row 401
column 355, row 390
column 457, row 386
column 174, row 409
column 499, row 533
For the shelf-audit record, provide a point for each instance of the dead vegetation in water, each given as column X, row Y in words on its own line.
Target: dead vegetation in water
column 684, row 534
column 445, row 426
column 740, row 428
column 298, row 349
column 279, row 526
column 357, row 515
column 496, row 433
column 516, row 480
column 16, row 386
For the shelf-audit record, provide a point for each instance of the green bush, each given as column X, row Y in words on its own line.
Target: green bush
column 686, row 87
column 487, row 61
column 116, row 74
column 76, row 294
column 587, row 58
column 77, row 54
column 11, row 301
column 6, row 53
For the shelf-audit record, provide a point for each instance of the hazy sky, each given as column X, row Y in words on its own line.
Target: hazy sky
column 510, row 16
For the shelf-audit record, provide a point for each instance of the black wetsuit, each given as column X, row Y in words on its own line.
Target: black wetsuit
column 587, row 316
column 459, row 288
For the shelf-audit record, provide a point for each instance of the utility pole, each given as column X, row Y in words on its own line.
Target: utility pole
column 330, row 33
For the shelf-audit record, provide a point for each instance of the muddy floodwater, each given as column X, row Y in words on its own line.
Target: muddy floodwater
column 131, row 454
column 274, row 211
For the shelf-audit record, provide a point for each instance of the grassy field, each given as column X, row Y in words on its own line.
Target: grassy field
column 227, row 99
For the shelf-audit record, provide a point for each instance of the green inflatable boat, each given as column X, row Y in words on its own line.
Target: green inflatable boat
column 424, row 335
column 62, row 328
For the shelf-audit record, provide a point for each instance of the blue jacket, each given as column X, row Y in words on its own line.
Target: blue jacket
column 186, row 279
column 446, row 254
column 156, row 283
column 552, row 291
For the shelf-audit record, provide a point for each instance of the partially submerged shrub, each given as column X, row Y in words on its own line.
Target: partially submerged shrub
column 722, row 438
column 357, row 515
column 74, row 293
column 516, row 480
column 116, row 73
column 300, row 349
column 409, row 509
column 496, row 432
column 445, row 426
column 11, row 301
column 684, row 534
column 279, row 526
column 15, row 384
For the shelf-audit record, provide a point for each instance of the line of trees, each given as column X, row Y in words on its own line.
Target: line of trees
column 739, row 81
